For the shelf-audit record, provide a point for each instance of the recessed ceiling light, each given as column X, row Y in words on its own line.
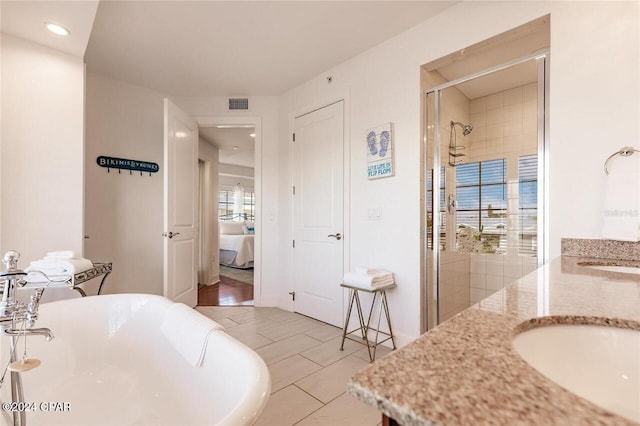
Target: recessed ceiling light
column 236, row 147
column 57, row 29
column 253, row 135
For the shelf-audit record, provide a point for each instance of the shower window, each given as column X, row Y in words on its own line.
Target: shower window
column 528, row 205
column 481, row 216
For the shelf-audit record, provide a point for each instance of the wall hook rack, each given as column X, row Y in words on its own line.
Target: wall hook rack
column 125, row 164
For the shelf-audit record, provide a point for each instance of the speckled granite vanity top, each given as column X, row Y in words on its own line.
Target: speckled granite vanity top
column 465, row 371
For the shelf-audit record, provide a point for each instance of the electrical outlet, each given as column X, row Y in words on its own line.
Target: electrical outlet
column 374, row 213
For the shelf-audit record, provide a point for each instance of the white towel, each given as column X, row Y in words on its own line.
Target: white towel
column 622, row 207
column 64, row 254
column 369, row 281
column 54, row 277
column 60, row 266
column 365, row 271
column 188, row 331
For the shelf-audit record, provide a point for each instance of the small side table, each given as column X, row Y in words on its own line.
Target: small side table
column 99, row 270
column 84, row 276
column 365, row 327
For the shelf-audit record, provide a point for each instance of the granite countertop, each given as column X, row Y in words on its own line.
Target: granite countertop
column 465, row 371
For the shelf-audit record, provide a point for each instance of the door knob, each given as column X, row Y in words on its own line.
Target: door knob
column 170, row 234
column 336, row 236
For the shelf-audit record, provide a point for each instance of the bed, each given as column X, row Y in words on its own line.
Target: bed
column 236, row 244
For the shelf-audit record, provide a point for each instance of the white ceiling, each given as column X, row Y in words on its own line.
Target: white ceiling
column 226, row 138
column 240, row 48
column 26, row 19
column 516, row 76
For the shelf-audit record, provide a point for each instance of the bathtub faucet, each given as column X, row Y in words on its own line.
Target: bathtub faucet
column 12, row 311
column 48, row 334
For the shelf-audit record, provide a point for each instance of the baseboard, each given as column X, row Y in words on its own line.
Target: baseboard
column 267, row 302
column 214, row 280
column 401, row 340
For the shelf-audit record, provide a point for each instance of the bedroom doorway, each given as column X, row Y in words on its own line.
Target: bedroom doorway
column 234, row 207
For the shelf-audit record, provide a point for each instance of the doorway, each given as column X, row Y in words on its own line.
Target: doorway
column 234, row 207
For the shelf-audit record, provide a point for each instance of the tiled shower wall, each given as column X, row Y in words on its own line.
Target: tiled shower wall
column 505, row 126
column 454, row 266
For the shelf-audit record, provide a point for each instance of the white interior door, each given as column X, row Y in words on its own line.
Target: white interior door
column 318, row 213
column 180, row 206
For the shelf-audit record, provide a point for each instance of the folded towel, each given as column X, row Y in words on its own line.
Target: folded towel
column 54, row 277
column 60, row 266
column 622, row 207
column 366, row 271
column 188, row 331
column 46, row 266
column 64, row 254
column 369, row 282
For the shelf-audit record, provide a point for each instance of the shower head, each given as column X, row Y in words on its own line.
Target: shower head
column 466, row 128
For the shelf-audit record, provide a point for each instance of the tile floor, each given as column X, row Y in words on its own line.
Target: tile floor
column 308, row 371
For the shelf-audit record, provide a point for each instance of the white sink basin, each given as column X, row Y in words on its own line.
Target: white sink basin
column 600, row 364
column 615, row 268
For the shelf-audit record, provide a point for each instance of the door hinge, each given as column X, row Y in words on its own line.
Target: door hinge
column 294, row 190
column 293, row 243
column 294, row 137
column 293, row 295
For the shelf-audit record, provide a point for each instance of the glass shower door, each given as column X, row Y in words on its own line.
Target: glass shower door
column 484, row 146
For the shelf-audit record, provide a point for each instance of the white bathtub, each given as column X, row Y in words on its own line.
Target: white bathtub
column 110, row 364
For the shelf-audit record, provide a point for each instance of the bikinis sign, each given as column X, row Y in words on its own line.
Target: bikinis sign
column 126, row 164
column 380, row 151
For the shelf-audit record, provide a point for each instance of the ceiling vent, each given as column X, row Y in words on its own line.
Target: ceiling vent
column 238, row 104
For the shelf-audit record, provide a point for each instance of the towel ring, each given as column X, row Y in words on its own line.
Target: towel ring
column 625, row 151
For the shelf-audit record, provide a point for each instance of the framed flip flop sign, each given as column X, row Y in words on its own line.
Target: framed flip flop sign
column 380, row 151
column 125, row 164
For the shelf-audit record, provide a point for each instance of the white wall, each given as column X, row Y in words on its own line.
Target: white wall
column 209, row 154
column 594, row 88
column 231, row 174
column 123, row 211
column 42, row 150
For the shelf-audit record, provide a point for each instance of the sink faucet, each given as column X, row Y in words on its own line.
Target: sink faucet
column 12, row 311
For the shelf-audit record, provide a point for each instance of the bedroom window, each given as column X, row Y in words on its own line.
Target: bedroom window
column 481, row 192
column 226, row 203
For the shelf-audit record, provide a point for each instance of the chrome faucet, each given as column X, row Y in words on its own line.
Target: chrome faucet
column 11, row 311
column 17, row 319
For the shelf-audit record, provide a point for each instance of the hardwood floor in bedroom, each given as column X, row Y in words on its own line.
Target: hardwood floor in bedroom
column 228, row 292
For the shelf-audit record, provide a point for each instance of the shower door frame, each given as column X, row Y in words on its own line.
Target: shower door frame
column 430, row 309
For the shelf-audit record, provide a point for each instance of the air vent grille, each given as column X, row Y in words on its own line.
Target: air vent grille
column 238, row 103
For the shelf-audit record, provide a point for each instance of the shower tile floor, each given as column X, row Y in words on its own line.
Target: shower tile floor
column 309, row 372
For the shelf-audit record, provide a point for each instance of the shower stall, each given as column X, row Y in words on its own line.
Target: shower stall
column 483, row 206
